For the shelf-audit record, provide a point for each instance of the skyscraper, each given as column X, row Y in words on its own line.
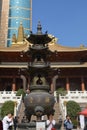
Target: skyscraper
column 0, row 10
column 13, row 13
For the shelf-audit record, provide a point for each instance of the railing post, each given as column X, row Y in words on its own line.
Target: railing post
column 55, row 96
column 15, row 108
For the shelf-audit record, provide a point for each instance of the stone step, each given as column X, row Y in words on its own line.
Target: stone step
column 56, row 114
column 21, row 112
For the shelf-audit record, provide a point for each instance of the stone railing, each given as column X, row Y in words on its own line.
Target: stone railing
column 7, row 92
column 11, row 96
column 77, row 96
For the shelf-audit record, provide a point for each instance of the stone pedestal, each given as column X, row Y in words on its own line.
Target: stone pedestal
column 32, row 126
column 27, row 126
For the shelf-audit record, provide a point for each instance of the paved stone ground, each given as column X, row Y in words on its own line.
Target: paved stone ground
column 33, row 129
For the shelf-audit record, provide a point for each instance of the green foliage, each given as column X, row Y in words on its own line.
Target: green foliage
column 61, row 91
column 7, row 107
column 20, row 92
column 75, row 123
column 73, row 109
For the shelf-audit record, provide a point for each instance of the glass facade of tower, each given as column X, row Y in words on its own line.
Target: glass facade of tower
column 19, row 12
column 0, row 11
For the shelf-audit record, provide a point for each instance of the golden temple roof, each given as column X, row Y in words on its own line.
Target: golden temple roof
column 53, row 46
column 59, row 48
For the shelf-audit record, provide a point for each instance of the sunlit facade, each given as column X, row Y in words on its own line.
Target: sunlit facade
column 17, row 11
column 0, row 10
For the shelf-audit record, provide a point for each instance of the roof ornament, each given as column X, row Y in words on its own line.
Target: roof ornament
column 39, row 28
column 82, row 46
column 14, row 39
column 20, row 37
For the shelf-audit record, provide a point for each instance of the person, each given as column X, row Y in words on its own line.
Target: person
column 15, row 122
column 60, row 118
column 23, row 119
column 10, row 126
column 50, row 123
column 27, row 92
column 7, row 120
column 1, row 125
column 68, row 123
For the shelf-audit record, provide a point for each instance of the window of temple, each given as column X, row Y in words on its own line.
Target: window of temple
column 61, row 83
column 75, row 84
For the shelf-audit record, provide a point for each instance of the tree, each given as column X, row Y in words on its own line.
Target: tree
column 7, row 107
column 20, row 92
column 73, row 108
column 61, row 91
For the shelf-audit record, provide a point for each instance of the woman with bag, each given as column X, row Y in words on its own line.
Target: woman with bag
column 50, row 123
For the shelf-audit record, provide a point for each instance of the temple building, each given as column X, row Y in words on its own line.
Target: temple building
column 12, row 13
column 69, row 65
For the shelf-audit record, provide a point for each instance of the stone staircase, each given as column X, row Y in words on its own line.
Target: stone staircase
column 57, row 112
column 58, row 115
column 21, row 112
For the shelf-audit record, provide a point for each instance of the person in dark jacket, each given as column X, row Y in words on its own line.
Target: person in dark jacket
column 15, row 122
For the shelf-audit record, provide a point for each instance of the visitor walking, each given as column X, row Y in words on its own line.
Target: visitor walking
column 7, row 120
column 15, row 122
column 68, row 123
column 50, row 123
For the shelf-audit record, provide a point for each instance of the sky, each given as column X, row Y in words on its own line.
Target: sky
column 64, row 19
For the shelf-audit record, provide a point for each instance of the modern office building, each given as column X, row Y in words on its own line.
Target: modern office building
column 0, row 10
column 13, row 13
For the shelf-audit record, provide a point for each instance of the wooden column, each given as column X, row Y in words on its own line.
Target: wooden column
column 14, row 85
column 28, row 84
column 24, row 81
column 67, row 84
column 54, row 81
column 82, row 84
column 52, row 87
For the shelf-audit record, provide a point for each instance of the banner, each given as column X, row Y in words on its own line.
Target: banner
column 82, row 121
column 40, row 126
